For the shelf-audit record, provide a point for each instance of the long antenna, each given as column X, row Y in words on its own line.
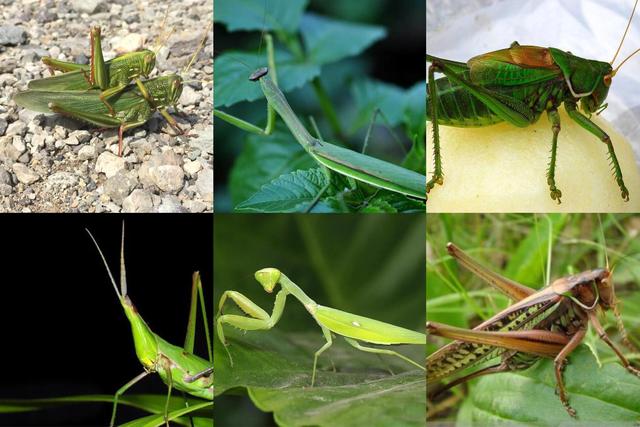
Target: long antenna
column 264, row 29
column 624, row 36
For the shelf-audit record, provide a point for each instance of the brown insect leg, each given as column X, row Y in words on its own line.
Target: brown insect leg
column 603, row 336
column 560, row 361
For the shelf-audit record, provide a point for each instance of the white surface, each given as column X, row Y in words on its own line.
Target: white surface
column 461, row 29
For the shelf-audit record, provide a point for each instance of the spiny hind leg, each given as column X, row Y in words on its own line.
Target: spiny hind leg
column 554, row 118
column 438, row 176
column 602, row 135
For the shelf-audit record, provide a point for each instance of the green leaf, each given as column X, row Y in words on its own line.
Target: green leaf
column 262, row 160
column 527, row 262
column 149, row 402
column 232, row 70
column 389, row 202
column 291, row 192
column 275, row 368
column 601, row 396
column 415, row 125
column 250, row 15
column 329, row 40
column 369, row 95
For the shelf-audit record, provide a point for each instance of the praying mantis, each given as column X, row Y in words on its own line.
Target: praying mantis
column 353, row 328
column 352, row 164
column 178, row 367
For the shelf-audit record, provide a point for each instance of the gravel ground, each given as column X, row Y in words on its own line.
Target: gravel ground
column 50, row 163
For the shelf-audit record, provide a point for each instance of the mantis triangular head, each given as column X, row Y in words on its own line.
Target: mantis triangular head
column 268, row 278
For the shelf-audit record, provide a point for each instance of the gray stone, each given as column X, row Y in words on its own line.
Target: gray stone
column 138, row 201
column 5, row 176
column 12, row 36
column 195, row 206
column 171, row 204
column 204, row 140
column 204, row 185
column 5, row 190
column 62, row 180
column 89, row 6
column 27, row 116
column 24, row 174
column 7, row 65
column 87, row 152
column 38, row 140
column 169, row 178
column 16, row 128
column 189, row 96
column 7, row 80
column 19, row 144
column 192, row 168
column 119, row 186
column 128, row 43
column 81, row 136
column 109, row 164
column 3, row 126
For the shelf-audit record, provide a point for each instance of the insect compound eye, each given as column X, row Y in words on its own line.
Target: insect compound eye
column 607, row 80
column 258, row 74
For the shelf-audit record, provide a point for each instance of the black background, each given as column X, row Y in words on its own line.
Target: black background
column 62, row 330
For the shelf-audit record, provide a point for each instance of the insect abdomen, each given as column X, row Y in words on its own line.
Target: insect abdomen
column 457, row 107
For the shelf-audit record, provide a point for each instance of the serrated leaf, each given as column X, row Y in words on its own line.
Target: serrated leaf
column 291, row 192
column 262, row 160
column 260, row 15
column 232, row 70
column 329, row 40
column 369, row 95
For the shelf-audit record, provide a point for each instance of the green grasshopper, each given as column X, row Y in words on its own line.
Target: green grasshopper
column 111, row 77
column 549, row 323
column 516, row 85
column 132, row 107
column 353, row 164
column 177, row 366
column 351, row 327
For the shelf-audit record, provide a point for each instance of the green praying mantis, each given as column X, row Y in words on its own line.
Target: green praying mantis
column 355, row 165
column 516, row 85
column 100, row 93
column 178, row 367
column 353, row 328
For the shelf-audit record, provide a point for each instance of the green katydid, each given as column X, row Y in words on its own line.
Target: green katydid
column 111, row 77
column 344, row 161
column 132, row 107
column 177, row 366
column 351, row 327
column 516, row 85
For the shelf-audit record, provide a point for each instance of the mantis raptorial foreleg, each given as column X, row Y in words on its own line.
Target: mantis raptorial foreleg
column 352, row 327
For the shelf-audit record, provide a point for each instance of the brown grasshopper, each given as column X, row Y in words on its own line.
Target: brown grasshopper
column 548, row 323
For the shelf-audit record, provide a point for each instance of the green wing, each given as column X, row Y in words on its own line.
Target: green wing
column 515, row 66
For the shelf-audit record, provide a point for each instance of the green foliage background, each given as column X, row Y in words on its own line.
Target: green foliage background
column 324, row 59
